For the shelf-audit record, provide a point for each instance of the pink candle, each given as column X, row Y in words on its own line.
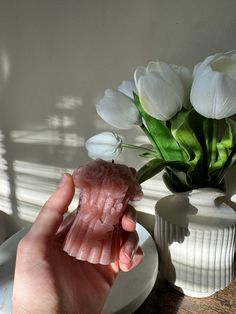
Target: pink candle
column 105, row 190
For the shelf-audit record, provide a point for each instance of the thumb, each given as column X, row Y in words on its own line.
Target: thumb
column 51, row 215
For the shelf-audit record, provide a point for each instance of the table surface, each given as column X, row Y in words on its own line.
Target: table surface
column 165, row 299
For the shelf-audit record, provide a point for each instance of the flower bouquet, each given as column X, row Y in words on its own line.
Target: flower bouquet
column 185, row 116
column 188, row 121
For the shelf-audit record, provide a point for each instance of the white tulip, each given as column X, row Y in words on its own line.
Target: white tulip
column 213, row 92
column 105, row 145
column 163, row 88
column 186, row 78
column 128, row 88
column 118, row 110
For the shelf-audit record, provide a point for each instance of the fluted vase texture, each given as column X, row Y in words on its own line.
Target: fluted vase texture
column 195, row 236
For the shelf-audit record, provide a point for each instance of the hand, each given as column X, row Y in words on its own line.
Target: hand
column 47, row 280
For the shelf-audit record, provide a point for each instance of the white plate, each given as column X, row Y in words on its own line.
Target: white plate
column 128, row 292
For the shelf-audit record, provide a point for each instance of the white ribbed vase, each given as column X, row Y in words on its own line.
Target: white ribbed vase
column 195, row 236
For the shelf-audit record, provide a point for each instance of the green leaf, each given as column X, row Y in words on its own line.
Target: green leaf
column 224, row 148
column 176, row 181
column 161, row 135
column 181, row 128
column 232, row 124
column 155, row 165
column 230, row 162
column 150, row 169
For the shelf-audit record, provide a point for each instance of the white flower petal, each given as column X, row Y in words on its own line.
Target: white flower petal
column 214, row 95
column 171, row 77
column 157, row 97
column 118, row 110
column 231, row 53
column 184, row 74
column 106, row 145
column 186, row 77
column 127, row 88
column 213, row 91
column 225, row 65
column 163, row 88
column 168, row 75
column 200, row 67
column 139, row 72
column 154, row 66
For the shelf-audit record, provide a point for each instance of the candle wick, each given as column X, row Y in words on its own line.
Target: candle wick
column 113, row 161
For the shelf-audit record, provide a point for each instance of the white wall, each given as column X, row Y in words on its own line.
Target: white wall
column 57, row 58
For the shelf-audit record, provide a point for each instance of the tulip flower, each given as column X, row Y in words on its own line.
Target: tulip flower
column 105, row 145
column 213, row 92
column 127, row 88
column 118, row 110
column 189, row 147
column 163, row 88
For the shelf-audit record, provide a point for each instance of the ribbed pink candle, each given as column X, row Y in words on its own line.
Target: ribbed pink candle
column 105, row 190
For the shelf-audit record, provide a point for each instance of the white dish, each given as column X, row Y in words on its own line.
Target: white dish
column 128, row 292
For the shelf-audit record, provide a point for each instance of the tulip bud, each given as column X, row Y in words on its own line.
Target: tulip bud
column 162, row 88
column 127, row 88
column 105, row 145
column 118, row 110
column 213, row 92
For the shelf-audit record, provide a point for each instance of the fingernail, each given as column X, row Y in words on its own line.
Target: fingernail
column 129, row 252
column 125, row 267
column 62, row 181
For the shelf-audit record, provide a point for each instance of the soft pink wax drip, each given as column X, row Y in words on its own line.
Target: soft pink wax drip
column 105, row 190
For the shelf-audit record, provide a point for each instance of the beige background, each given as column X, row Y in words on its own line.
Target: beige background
column 57, row 58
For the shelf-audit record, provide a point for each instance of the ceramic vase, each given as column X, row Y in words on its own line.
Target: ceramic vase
column 195, row 236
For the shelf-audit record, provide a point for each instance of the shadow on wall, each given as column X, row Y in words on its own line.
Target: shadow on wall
column 25, row 185
column 26, row 181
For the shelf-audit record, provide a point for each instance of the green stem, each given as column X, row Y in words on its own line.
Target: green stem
column 140, row 148
column 214, row 141
column 145, row 130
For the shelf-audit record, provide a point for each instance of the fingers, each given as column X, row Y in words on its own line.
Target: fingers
column 136, row 260
column 130, row 254
column 51, row 215
column 128, row 248
column 128, row 220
